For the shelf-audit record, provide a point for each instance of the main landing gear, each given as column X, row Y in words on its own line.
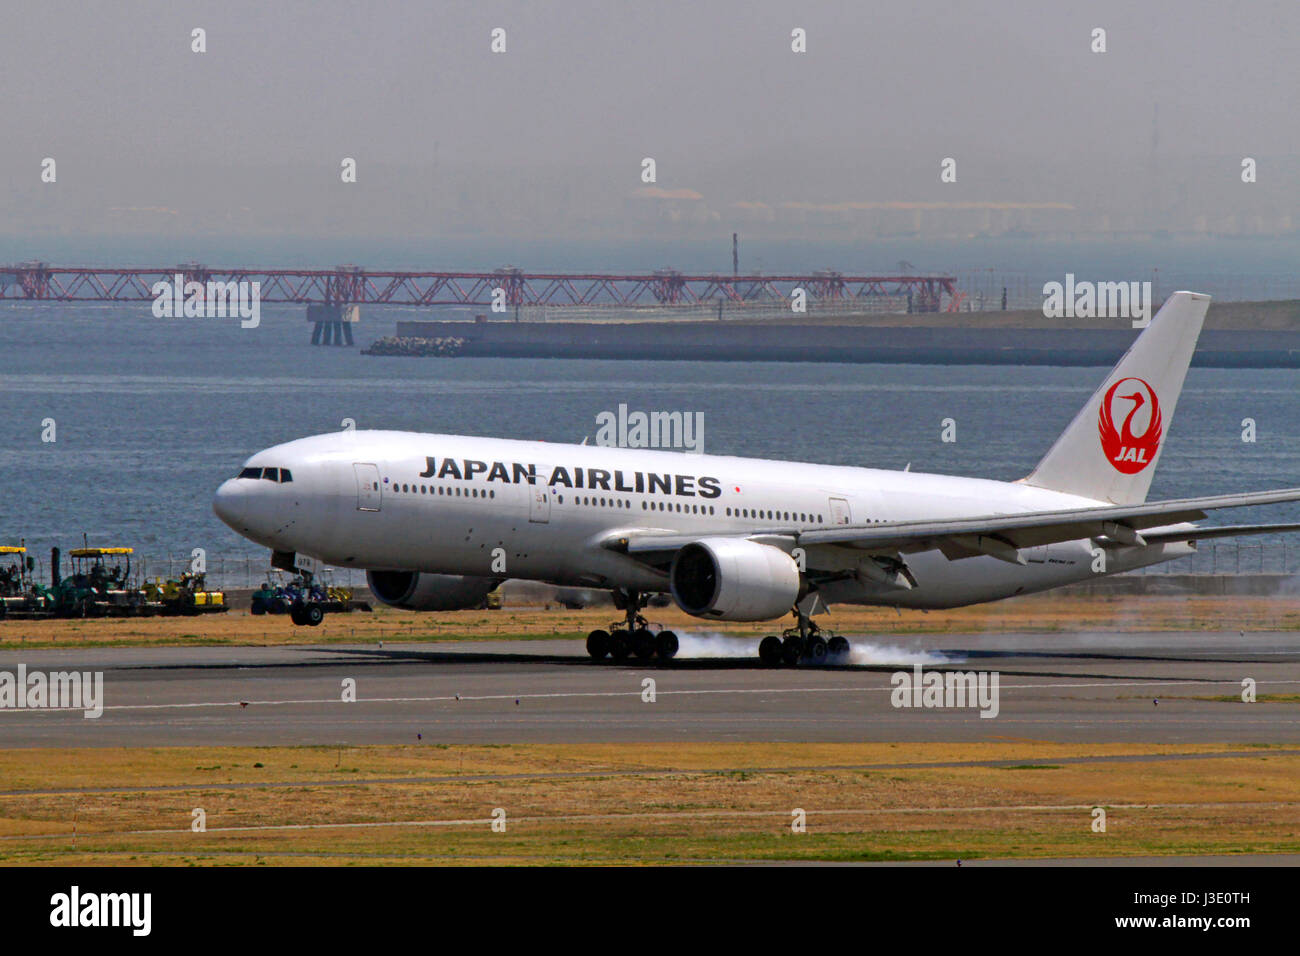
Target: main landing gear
column 803, row 642
column 631, row 636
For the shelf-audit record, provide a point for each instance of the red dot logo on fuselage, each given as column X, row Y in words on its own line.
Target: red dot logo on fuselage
column 1136, row 401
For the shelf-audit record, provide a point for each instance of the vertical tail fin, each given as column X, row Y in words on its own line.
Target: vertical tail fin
column 1109, row 452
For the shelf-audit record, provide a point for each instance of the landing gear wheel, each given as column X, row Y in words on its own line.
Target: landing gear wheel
column 769, row 651
column 598, row 644
column 632, row 635
column 313, row 615
column 643, row 644
column 791, row 651
column 815, row 649
column 808, row 641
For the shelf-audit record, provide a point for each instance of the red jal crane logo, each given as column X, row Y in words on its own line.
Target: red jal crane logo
column 1130, row 453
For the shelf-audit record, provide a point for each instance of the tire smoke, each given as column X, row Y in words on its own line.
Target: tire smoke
column 862, row 653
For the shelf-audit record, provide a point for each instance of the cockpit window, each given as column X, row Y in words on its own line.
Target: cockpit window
column 280, row 475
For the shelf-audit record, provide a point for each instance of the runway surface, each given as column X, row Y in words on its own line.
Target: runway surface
column 1057, row 687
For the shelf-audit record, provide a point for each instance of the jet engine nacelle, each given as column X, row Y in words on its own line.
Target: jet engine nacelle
column 734, row 579
column 418, row 591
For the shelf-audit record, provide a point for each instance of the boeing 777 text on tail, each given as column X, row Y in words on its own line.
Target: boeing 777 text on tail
column 438, row 521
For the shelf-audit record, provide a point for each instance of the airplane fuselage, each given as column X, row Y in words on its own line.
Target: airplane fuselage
column 458, row 505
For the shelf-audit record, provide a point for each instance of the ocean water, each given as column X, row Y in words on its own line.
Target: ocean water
column 152, row 414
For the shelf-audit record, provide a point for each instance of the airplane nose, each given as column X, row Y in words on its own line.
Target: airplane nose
column 230, row 504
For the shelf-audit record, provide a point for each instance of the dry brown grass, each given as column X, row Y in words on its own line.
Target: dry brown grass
column 644, row 803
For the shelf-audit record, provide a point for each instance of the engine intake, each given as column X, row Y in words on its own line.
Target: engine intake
column 734, row 579
column 418, row 591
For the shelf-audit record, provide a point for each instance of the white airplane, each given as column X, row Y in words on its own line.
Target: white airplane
column 439, row 520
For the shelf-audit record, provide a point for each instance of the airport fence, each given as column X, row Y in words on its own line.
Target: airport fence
column 235, row 571
column 1234, row 558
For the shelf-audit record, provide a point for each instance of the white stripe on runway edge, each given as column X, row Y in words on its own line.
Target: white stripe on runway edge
column 618, row 693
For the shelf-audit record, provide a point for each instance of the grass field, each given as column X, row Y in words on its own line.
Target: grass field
column 1036, row 613
column 643, row 803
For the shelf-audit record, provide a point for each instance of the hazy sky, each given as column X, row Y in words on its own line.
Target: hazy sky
column 548, row 138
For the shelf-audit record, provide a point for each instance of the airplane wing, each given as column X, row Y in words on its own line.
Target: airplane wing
column 998, row 535
column 1219, row 531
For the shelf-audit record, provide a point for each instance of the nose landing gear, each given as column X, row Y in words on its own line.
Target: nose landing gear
column 306, row 598
column 631, row 636
column 309, row 615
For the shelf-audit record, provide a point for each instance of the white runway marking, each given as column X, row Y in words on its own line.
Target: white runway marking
column 463, row 698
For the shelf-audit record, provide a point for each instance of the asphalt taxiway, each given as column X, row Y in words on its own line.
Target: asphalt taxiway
column 1151, row 687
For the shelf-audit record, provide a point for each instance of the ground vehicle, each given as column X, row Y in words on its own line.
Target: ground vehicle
column 186, row 595
column 306, row 598
column 20, row 595
column 99, row 585
column 95, row 588
column 275, row 596
column 13, row 570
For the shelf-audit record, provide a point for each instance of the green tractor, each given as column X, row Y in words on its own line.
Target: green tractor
column 20, row 595
column 99, row 585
